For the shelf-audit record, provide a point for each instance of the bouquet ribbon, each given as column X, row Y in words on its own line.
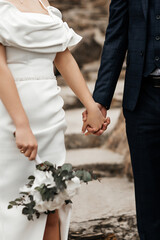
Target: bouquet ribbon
column 38, row 160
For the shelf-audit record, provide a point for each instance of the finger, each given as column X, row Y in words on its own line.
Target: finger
column 84, row 116
column 88, row 133
column 19, row 146
column 90, row 129
column 28, row 152
column 99, row 133
column 33, row 155
column 108, row 120
column 23, row 150
column 105, row 126
column 84, row 127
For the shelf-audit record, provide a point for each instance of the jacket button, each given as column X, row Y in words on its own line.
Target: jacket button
column 156, row 58
column 157, row 38
column 142, row 53
column 158, row 17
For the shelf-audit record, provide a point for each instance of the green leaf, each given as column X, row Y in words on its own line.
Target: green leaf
column 18, row 200
column 38, row 189
column 79, row 174
column 12, row 203
column 31, row 177
column 48, row 163
column 10, row 206
column 87, row 176
column 24, row 193
column 25, row 211
column 30, row 217
column 64, row 173
column 67, row 166
column 68, row 201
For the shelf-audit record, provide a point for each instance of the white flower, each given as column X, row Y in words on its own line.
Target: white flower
column 43, row 206
column 73, row 186
column 42, row 177
column 46, row 178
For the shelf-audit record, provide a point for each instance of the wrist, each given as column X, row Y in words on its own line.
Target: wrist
column 21, row 123
column 91, row 107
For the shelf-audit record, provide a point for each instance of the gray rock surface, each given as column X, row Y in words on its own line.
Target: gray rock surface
column 110, row 197
column 102, row 161
column 105, row 210
column 71, row 101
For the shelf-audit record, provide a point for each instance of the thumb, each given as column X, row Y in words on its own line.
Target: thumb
column 84, row 115
column 84, row 127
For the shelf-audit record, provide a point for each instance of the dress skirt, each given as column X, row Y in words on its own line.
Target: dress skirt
column 43, row 106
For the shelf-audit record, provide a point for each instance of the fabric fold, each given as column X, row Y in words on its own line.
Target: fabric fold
column 34, row 31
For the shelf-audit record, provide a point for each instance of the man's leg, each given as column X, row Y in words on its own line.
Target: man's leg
column 143, row 133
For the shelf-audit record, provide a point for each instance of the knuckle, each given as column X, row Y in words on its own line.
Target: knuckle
column 31, row 146
column 36, row 145
column 18, row 145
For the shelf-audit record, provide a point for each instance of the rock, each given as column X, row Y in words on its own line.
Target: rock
column 112, row 197
column 107, row 165
column 118, row 142
column 110, row 228
column 83, row 53
column 109, row 211
column 72, row 102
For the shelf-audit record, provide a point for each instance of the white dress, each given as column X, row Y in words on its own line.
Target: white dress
column 32, row 41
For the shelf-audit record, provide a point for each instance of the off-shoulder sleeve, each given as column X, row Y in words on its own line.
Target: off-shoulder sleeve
column 35, row 32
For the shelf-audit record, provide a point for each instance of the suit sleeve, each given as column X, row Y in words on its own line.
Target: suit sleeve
column 113, row 54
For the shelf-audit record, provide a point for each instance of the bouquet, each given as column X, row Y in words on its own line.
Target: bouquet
column 50, row 188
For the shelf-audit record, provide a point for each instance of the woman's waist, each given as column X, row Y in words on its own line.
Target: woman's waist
column 33, row 70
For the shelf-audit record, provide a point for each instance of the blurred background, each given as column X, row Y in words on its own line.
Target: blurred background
column 106, row 209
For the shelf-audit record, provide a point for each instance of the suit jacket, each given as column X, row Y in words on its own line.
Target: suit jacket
column 126, row 31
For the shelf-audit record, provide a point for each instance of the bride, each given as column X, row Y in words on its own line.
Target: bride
column 32, row 37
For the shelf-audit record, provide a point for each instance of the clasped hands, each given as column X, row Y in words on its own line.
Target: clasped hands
column 95, row 121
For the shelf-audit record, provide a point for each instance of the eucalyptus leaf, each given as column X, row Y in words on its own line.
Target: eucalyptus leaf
column 10, row 206
column 31, row 177
column 48, row 164
column 67, row 166
column 25, row 211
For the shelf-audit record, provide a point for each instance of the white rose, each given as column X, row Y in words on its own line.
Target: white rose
column 73, row 186
column 42, row 206
column 43, row 178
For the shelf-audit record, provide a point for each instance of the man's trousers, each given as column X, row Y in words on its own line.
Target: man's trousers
column 143, row 133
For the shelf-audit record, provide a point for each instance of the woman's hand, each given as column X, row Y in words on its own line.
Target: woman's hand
column 26, row 142
column 105, row 124
column 95, row 119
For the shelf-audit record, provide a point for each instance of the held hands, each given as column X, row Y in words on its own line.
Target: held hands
column 26, row 142
column 95, row 121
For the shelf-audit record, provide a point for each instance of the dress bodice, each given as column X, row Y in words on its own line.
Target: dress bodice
column 33, row 38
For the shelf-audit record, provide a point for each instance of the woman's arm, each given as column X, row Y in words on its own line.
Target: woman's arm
column 70, row 71
column 11, row 100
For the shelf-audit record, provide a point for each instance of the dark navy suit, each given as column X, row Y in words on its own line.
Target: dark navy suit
column 134, row 27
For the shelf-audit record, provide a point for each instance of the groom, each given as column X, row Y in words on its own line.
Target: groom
column 134, row 26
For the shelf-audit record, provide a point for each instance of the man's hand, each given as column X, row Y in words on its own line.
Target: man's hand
column 104, row 126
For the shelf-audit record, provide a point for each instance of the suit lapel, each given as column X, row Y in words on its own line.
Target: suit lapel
column 145, row 7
